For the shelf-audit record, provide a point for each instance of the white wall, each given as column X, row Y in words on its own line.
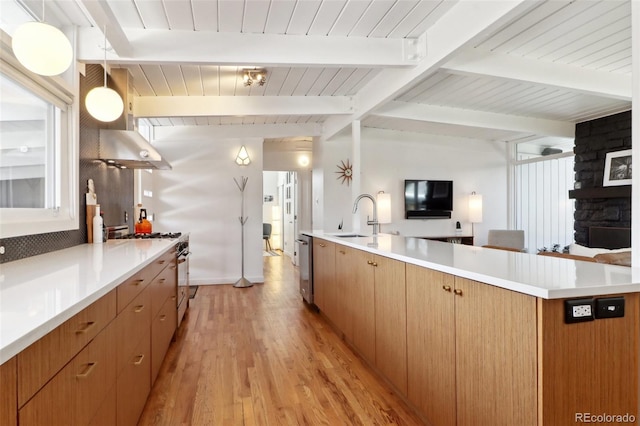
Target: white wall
column 390, row 157
column 200, row 196
column 270, row 187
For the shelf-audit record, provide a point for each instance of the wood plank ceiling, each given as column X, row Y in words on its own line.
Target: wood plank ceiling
column 533, row 69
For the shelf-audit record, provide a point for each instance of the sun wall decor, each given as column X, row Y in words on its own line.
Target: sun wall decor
column 345, row 171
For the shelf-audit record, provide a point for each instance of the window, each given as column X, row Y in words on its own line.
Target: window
column 29, row 141
column 38, row 152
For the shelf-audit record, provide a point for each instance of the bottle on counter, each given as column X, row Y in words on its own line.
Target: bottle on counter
column 98, row 223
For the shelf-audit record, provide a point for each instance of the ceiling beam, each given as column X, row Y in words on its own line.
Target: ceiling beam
column 566, row 77
column 151, row 46
column 236, row 131
column 102, row 15
column 198, row 106
column 468, row 21
column 481, row 119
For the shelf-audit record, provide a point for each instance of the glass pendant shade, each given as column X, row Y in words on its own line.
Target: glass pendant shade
column 243, row 157
column 104, row 104
column 42, row 49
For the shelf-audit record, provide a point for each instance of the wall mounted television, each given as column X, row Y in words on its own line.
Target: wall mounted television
column 428, row 199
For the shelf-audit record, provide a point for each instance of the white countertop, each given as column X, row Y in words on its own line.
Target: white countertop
column 541, row 276
column 39, row 293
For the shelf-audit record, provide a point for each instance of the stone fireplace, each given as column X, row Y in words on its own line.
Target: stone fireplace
column 597, row 205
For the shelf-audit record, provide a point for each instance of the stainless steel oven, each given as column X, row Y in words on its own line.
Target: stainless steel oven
column 182, row 254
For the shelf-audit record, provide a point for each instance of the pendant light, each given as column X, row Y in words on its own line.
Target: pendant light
column 42, row 48
column 103, row 103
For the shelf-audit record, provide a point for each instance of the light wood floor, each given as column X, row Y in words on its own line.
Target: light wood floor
column 260, row 356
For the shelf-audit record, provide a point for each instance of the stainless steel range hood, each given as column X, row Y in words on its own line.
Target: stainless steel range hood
column 130, row 149
column 121, row 144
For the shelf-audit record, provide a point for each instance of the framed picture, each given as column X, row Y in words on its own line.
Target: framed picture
column 617, row 168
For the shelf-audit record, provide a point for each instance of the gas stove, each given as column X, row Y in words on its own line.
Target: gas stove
column 121, row 232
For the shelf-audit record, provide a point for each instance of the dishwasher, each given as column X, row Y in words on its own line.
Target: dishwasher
column 305, row 255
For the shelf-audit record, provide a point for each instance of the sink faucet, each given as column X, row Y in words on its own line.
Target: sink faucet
column 373, row 222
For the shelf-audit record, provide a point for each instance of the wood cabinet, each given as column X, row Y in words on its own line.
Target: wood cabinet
column 363, row 305
column 324, row 268
column 471, row 351
column 96, row 367
column 431, row 345
column 496, row 337
column 9, row 393
column 391, row 320
column 76, row 393
column 344, row 276
column 39, row 362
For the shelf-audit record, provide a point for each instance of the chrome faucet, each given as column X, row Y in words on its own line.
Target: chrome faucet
column 373, row 222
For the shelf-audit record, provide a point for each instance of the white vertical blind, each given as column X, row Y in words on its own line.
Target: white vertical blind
column 543, row 208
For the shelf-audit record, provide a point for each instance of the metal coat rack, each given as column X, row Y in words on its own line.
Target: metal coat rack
column 242, row 282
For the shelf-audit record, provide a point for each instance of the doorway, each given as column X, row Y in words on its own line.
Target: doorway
column 280, row 209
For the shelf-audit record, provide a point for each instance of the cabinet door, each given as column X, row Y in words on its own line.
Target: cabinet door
column 8, row 393
column 324, row 276
column 391, row 320
column 363, row 305
column 134, row 384
column 496, row 354
column 344, row 289
column 431, row 344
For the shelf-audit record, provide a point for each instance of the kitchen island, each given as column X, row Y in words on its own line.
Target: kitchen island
column 84, row 330
column 471, row 335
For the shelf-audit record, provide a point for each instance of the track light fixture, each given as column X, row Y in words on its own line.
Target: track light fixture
column 258, row 76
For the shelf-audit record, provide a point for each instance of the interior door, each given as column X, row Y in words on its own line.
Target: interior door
column 289, row 216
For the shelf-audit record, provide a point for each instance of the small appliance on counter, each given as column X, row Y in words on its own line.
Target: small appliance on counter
column 143, row 225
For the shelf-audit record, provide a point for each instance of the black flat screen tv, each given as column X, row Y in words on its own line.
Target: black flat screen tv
column 428, row 199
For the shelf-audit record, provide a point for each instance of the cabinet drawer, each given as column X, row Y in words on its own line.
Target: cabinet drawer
column 43, row 359
column 134, row 285
column 163, row 287
column 134, row 383
column 162, row 329
column 133, row 325
column 77, row 392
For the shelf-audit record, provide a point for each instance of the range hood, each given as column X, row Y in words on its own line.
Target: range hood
column 130, row 149
column 121, row 144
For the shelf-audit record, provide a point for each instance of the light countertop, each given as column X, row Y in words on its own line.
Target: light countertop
column 541, row 276
column 39, row 293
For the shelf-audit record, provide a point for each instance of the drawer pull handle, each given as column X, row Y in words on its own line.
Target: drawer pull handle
column 138, row 309
column 162, row 262
column 139, row 361
column 161, row 280
column 374, row 263
column 163, row 317
column 321, row 245
column 173, row 297
column 369, row 262
column 446, row 288
column 457, row 292
column 88, row 326
column 137, row 282
column 342, row 251
column 87, row 371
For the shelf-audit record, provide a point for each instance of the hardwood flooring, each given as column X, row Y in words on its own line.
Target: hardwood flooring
column 260, row 356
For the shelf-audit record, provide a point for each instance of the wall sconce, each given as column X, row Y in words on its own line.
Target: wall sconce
column 242, row 159
column 303, row 161
column 475, row 209
column 103, row 103
column 383, row 201
column 254, row 76
column 42, row 48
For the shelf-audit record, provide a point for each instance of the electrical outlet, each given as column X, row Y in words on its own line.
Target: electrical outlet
column 610, row 307
column 578, row 310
